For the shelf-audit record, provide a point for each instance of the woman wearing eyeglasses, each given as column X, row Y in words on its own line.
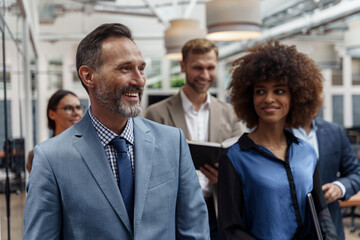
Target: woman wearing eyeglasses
column 64, row 110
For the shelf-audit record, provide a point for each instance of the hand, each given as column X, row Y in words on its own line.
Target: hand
column 332, row 192
column 210, row 172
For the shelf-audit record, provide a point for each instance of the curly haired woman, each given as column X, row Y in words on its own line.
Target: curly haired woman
column 264, row 178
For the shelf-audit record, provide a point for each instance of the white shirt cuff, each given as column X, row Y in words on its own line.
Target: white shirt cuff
column 204, row 183
column 343, row 190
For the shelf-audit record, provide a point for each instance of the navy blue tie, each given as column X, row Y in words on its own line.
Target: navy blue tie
column 125, row 175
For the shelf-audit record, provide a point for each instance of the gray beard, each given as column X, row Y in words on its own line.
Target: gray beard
column 112, row 102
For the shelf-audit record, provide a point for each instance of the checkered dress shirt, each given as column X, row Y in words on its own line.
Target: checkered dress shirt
column 106, row 136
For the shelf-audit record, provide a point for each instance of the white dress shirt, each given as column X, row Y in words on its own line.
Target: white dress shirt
column 197, row 123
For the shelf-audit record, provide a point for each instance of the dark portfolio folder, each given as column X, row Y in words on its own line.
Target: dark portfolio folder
column 314, row 216
column 208, row 152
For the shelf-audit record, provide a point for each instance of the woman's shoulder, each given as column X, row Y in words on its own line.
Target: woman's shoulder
column 241, row 148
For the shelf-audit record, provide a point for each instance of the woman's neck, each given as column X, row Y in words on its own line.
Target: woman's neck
column 273, row 134
column 272, row 137
column 58, row 130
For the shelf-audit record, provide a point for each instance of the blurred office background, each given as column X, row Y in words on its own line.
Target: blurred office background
column 39, row 40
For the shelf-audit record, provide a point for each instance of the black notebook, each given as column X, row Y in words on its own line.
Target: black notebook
column 208, row 152
column 314, row 216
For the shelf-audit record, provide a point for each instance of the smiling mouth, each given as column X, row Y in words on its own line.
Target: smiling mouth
column 131, row 94
column 203, row 81
column 270, row 109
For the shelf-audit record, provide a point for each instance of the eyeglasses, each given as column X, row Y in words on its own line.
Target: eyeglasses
column 69, row 109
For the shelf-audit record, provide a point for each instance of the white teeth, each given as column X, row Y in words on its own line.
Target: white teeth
column 131, row 94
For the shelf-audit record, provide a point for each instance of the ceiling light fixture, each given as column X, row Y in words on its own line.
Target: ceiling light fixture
column 233, row 20
column 179, row 32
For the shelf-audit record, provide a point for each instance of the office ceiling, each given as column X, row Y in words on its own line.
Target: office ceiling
column 323, row 20
column 273, row 12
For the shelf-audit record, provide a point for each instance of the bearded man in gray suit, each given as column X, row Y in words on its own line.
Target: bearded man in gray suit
column 114, row 175
column 201, row 116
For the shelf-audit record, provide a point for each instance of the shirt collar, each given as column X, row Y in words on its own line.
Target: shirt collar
column 187, row 104
column 246, row 143
column 313, row 125
column 301, row 131
column 106, row 135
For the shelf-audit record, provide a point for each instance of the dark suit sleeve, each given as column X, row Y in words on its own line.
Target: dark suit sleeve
column 43, row 213
column 231, row 226
column 327, row 226
column 349, row 168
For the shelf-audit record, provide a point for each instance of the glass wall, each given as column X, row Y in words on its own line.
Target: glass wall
column 177, row 78
column 2, row 121
column 16, row 56
column 355, row 66
column 55, row 73
column 356, row 110
column 153, row 73
column 338, row 109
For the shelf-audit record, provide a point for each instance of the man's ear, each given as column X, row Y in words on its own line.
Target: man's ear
column 87, row 75
column 182, row 65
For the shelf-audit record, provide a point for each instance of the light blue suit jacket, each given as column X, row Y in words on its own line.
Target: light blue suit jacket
column 72, row 193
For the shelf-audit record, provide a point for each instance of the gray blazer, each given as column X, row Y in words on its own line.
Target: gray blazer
column 223, row 123
column 72, row 193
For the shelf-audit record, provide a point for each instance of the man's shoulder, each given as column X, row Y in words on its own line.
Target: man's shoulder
column 321, row 123
column 221, row 104
column 160, row 111
column 161, row 105
column 155, row 126
column 223, row 109
column 59, row 140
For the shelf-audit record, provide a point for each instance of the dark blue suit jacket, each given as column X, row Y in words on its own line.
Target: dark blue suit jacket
column 337, row 156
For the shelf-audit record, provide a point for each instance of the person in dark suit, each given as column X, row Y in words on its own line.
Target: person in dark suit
column 201, row 116
column 335, row 157
column 114, row 175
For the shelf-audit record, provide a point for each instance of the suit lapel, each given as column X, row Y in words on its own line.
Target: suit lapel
column 88, row 144
column 215, row 123
column 144, row 147
column 320, row 135
column 177, row 114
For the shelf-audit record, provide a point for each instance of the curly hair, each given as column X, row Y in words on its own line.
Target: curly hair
column 275, row 61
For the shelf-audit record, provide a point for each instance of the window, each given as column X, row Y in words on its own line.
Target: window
column 177, row 78
column 338, row 110
column 55, row 73
column 337, row 78
column 153, row 73
column 2, row 122
column 356, row 110
column 355, row 66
